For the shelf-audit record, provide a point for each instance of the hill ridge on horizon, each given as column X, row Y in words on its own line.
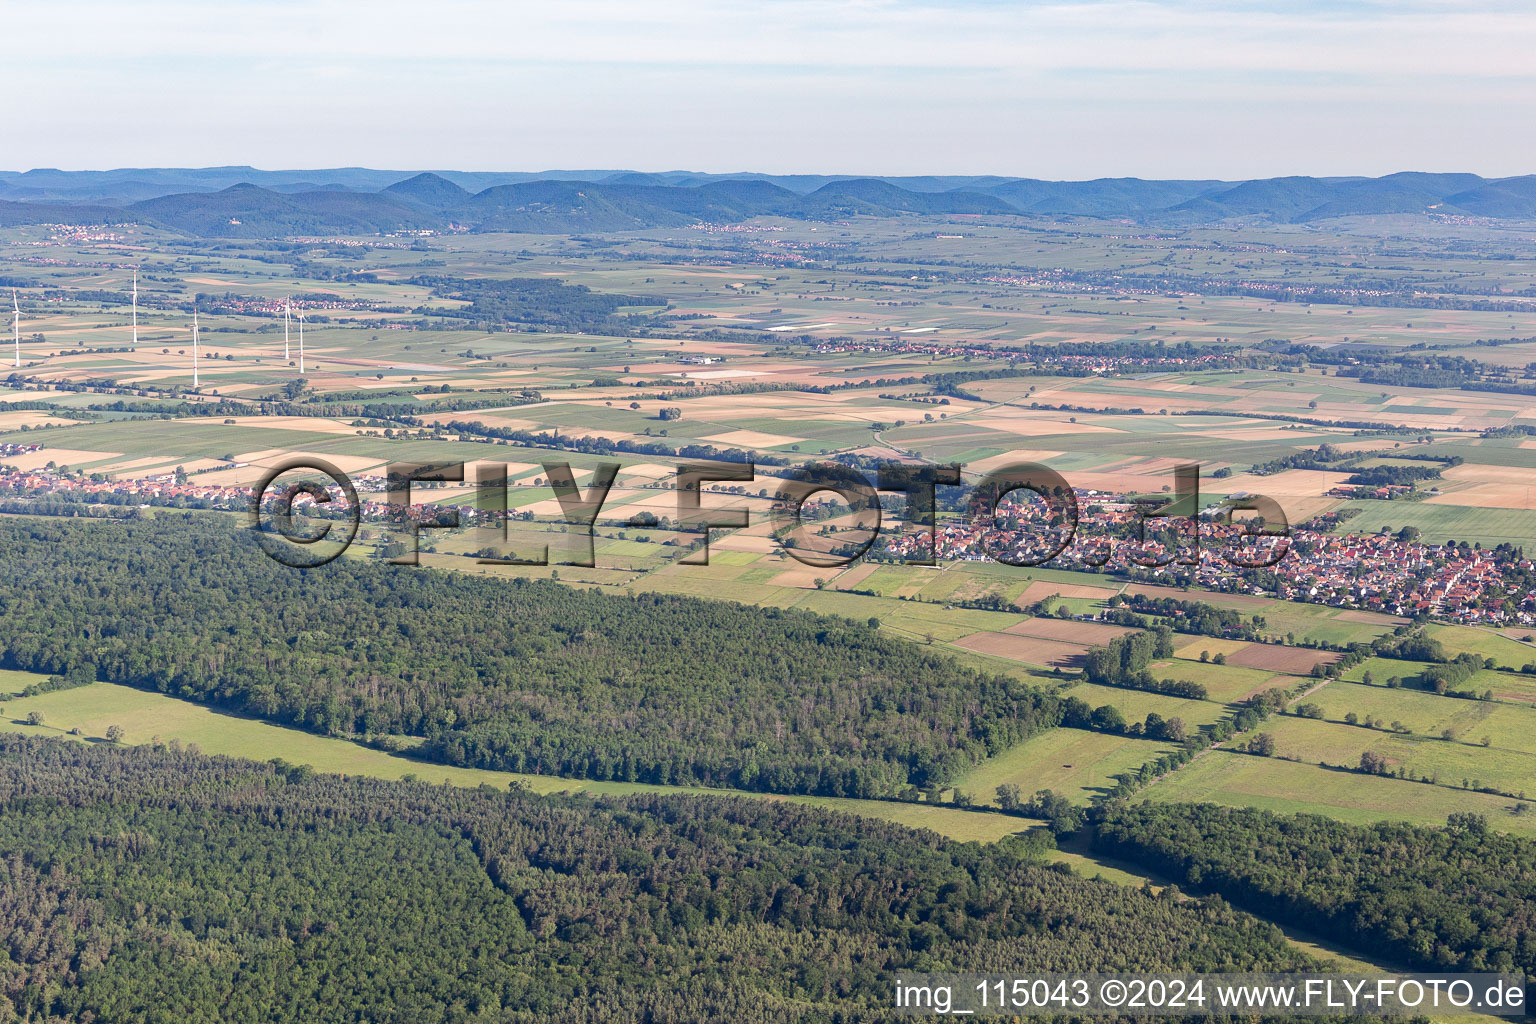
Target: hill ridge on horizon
column 242, row 201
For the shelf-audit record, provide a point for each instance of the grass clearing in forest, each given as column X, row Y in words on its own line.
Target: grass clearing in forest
column 1072, row 762
column 143, row 716
column 1288, row 787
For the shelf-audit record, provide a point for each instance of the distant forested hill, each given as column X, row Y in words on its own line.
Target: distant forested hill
column 247, row 203
column 13, row 214
column 547, row 207
column 161, row 887
column 246, row 211
column 519, row 675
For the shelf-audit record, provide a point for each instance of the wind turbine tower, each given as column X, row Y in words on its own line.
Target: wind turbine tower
column 135, row 309
column 16, row 326
column 194, row 348
column 301, row 341
column 287, row 316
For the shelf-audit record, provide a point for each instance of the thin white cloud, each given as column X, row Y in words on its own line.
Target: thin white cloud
column 1055, row 88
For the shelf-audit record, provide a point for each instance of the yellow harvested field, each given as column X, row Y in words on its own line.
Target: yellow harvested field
column 720, row 374
column 1488, row 496
column 1212, row 644
column 647, row 471
column 1093, row 633
column 851, row 577
column 1475, row 485
column 802, row 576
column 1286, row 484
column 1300, row 492
column 1029, row 649
column 1041, row 589
column 753, row 439
column 57, row 456
column 18, row 418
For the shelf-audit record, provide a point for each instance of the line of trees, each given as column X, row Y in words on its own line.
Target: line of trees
column 1461, row 897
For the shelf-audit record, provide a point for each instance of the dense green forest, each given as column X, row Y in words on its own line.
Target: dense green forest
column 518, row 675
column 1126, row 658
column 533, row 300
column 1456, row 898
column 165, row 886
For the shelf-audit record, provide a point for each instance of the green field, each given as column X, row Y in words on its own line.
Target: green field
column 1451, row 764
column 1224, row 683
column 1511, row 727
column 1073, row 763
column 1135, row 705
column 1506, row 653
column 1440, row 523
column 1383, row 669
column 1288, row 787
column 1318, row 623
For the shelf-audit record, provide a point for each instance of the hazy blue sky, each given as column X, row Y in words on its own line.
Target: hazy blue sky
column 1166, row 88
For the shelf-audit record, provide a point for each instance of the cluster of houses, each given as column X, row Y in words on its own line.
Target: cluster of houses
column 172, row 488
column 157, row 489
column 1097, row 363
column 1376, row 572
column 905, row 346
column 1384, row 493
column 1379, row 572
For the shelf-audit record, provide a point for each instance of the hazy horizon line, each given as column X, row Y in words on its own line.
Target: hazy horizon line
column 735, row 173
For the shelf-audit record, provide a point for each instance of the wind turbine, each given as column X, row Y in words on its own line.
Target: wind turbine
column 135, row 308
column 16, row 326
column 287, row 315
column 194, row 348
column 301, row 341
